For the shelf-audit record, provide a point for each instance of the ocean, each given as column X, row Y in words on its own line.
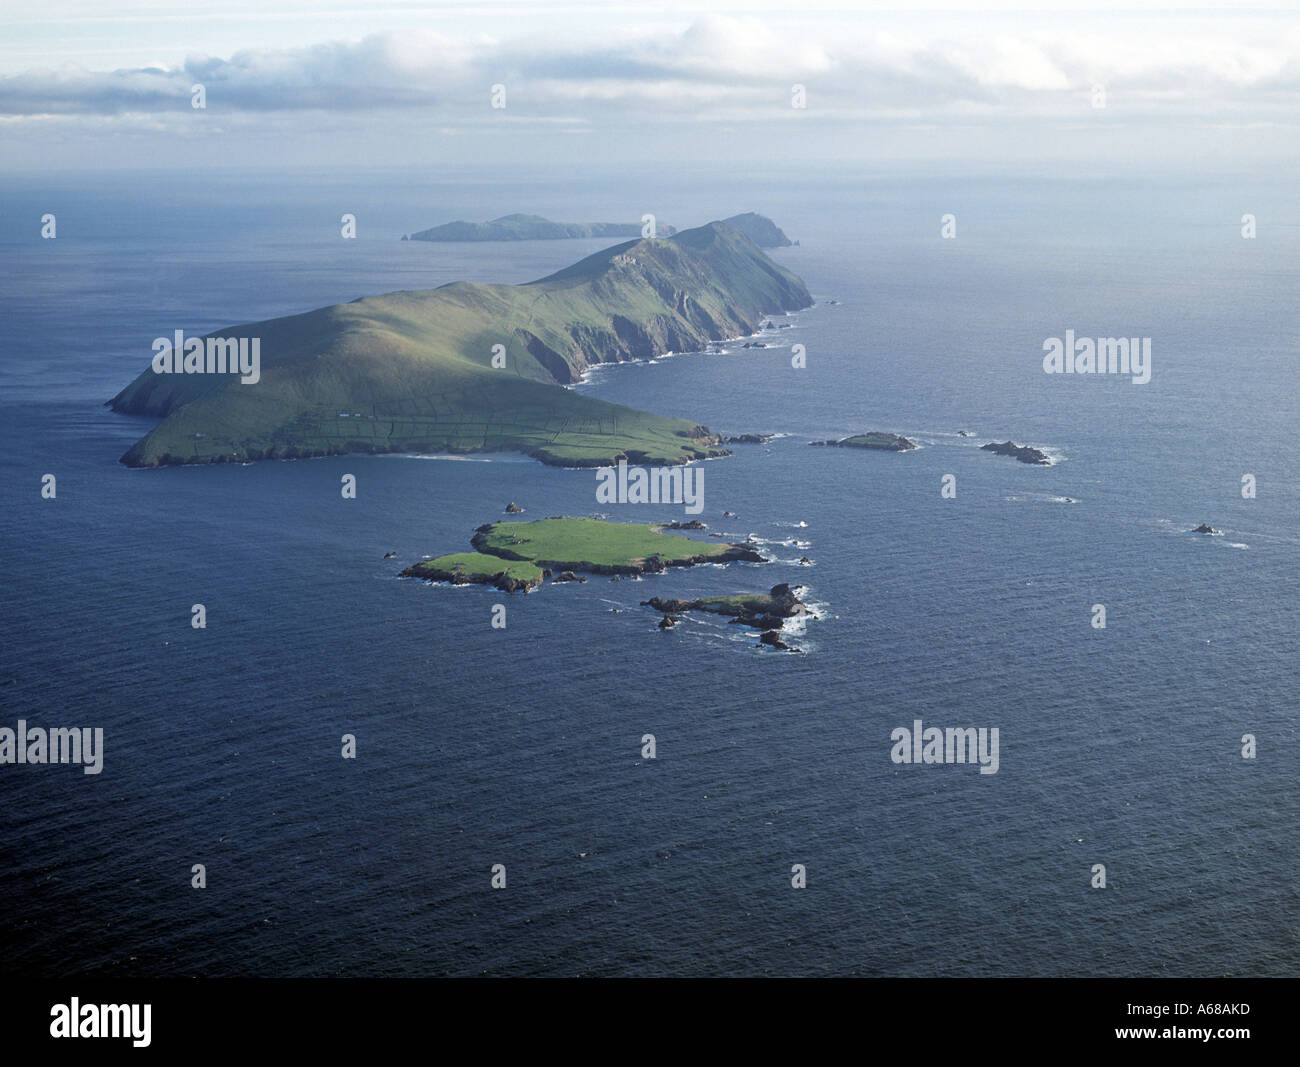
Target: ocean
column 523, row 746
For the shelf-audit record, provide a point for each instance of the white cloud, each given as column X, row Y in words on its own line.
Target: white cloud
column 718, row 66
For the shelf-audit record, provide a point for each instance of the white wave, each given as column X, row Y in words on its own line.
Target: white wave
column 1040, row 498
column 795, row 627
column 779, row 542
column 496, row 457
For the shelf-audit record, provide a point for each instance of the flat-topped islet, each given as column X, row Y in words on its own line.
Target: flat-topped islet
column 518, row 556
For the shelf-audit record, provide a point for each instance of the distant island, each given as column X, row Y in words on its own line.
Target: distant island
column 414, row 371
column 1021, row 452
column 531, row 228
column 884, row 442
column 519, row 556
column 759, row 229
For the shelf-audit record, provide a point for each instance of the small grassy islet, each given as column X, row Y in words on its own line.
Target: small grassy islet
column 519, row 555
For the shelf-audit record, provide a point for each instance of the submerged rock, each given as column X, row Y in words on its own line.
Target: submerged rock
column 1205, row 528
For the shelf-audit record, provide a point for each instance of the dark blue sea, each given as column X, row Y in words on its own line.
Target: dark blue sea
column 479, row 746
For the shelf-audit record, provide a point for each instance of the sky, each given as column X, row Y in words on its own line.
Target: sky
column 341, row 82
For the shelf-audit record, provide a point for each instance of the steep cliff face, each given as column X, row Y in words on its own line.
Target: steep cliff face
column 703, row 285
column 473, row 367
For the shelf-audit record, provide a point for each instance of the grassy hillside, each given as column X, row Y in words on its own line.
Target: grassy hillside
column 592, row 544
column 412, row 371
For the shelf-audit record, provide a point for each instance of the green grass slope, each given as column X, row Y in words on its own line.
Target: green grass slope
column 412, row 371
column 517, row 555
column 593, row 544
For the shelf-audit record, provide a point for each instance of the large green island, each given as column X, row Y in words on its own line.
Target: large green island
column 475, row 368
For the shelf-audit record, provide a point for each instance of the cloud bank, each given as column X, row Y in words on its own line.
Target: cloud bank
column 717, row 68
